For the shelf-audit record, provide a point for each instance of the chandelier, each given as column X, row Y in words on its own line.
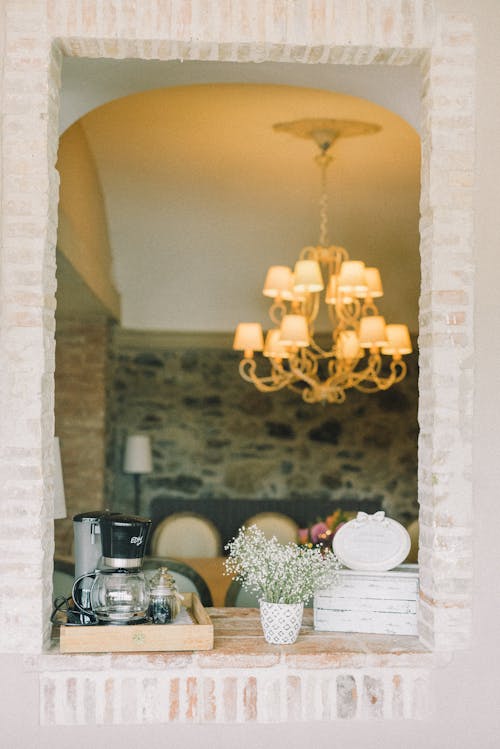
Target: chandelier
column 362, row 351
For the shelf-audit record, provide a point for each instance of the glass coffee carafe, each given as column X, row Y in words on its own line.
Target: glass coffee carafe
column 116, row 596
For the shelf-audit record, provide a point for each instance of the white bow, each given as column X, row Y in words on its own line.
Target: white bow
column 363, row 517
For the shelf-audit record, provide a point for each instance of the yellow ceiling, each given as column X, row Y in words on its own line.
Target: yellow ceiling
column 202, row 162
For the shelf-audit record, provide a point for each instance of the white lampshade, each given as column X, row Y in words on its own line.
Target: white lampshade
column 273, row 347
column 374, row 283
column 294, row 295
column 279, row 282
column 372, row 331
column 294, row 331
column 248, row 337
column 334, row 295
column 59, row 496
column 352, row 278
column 307, row 276
column 331, row 290
column 399, row 342
column 137, row 458
column 348, row 345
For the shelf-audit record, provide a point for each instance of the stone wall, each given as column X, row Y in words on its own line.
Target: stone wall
column 215, row 436
column 80, row 412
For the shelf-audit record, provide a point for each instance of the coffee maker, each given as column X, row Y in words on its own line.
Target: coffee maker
column 115, row 591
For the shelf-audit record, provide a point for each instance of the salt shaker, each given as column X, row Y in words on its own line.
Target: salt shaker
column 164, row 599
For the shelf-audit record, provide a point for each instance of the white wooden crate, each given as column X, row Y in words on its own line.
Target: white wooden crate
column 370, row 602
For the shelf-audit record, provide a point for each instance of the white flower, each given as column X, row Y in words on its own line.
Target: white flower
column 278, row 573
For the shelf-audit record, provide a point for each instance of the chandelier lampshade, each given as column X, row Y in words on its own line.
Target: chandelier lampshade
column 359, row 338
column 294, row 331
column 352, row 278
column 348, row 346
column 248, row 337
column 373, row 284
column 274, row 348
column 372, row 331
column 307, row 276
column 398, row 340
column 331, row 290
column 279, row 282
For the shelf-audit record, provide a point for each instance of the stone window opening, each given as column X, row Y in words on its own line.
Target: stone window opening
column 444, row 51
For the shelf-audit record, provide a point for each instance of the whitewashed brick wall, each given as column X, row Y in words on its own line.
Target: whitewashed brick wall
column 38, row 33
column 228, row 696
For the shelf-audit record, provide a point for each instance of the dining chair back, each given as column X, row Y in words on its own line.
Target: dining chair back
column 413, row 530
column 187, row 579
column 63, row 578
column 184, row 535
column 237, row 596
column 275, row 524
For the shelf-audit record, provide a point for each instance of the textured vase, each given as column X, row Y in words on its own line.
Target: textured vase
column 281, row 621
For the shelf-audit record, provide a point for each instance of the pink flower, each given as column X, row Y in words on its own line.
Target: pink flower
column 318, row 530
column 303, row 535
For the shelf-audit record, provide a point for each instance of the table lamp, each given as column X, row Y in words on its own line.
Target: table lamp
column 137, row 460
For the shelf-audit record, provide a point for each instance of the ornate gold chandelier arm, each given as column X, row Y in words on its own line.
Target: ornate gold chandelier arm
column 321, row 352
column 277, row 380
column 310, row 307
column 277, row 310
column 317, row 392
column 303, row 365
column 323, row 394
column 368, row 380
column 348, row 313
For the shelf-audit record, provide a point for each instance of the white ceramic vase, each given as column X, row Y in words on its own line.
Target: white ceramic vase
column 281, row 621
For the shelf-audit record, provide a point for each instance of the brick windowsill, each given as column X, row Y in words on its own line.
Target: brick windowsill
column 239, row 643
column 322, row 676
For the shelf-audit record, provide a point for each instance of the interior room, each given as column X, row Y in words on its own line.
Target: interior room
column 173, row 203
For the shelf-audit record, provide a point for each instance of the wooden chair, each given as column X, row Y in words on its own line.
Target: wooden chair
column 275, row 524
column 413, row 530
column 186, row 534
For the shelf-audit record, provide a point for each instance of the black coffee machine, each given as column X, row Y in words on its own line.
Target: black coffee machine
column 113, row 590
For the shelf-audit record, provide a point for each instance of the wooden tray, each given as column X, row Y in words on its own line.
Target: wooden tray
column 142, row 637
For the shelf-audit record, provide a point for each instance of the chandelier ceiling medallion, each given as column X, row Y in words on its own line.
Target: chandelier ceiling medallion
column 355, row 355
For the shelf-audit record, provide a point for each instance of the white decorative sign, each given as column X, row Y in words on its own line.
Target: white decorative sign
column 372, row 543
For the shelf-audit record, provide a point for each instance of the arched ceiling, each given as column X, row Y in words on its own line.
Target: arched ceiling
column 202, row 196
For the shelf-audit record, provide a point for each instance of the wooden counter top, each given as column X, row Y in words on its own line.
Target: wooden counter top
column 239, row 643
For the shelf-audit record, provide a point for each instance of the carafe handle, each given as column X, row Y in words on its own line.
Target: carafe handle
column 83, row 606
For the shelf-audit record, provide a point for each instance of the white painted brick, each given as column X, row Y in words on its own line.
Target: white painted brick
column 71, row 698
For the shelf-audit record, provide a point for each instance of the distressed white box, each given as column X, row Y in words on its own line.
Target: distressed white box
column 370, row 602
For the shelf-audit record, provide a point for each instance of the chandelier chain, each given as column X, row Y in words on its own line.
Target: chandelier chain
column 323, row 159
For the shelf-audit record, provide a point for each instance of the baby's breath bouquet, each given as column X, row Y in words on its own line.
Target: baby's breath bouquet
column 278, row 573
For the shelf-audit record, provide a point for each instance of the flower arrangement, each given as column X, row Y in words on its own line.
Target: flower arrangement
column 278, row 573
column 321, row 533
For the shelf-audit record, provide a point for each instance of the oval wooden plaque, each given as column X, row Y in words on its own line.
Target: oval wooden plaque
column 371, row 543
